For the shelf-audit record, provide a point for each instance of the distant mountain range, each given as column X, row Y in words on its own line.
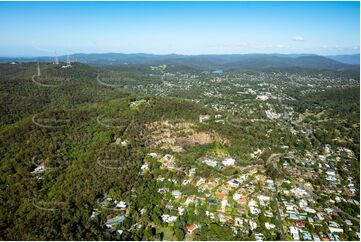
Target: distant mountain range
column 225, row 62
column 347, row 59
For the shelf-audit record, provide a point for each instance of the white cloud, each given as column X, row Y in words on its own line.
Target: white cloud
column 298, row 38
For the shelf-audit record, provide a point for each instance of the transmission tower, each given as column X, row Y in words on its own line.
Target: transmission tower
column 39, row 69
column 56, row 61
column 68, row 63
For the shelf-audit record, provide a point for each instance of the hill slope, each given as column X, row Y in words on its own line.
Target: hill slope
column 58, row 205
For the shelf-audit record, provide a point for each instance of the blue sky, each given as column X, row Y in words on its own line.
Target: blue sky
column 41, row 28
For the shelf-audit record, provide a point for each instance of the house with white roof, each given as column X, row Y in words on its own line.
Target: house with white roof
column 153, row 155
column 252, row 225
column 222, row 218
column 224, row 205
column 168, row 218
column 269, row 226
column 176, row 194
column 335, row 230
column 294, row 231
column 121, row 205
column 264, row 200
column 39, row 169
column 210, row 162
column 228, row 161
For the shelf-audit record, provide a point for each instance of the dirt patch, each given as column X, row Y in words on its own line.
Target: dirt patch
column 177, row 136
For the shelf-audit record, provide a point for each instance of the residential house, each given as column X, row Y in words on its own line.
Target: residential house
column 113, row 221
column 269, row 226
column 210, row 162
column 204, row 118
column 294, row 232
column 39, row 169
column 168, row 218
column 176, row 194
column 228, row 161
column 191, row 228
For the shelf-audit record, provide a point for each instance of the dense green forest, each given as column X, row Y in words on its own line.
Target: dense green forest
column 20, row 96
column 76, row 183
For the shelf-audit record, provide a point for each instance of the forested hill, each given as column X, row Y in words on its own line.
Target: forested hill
column 70, row 142
column 23, row 93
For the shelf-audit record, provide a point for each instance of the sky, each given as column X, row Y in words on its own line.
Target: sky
column 46, row 28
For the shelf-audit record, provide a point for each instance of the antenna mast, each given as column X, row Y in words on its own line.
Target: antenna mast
column 68, row 63
column 56, row 62
column 39, row 69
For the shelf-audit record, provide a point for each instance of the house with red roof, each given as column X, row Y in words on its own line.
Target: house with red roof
column 300, row 224
column 242, row 200
column 221, row 196
column 191, row 228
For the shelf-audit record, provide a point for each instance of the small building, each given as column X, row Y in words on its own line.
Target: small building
column 264, row 200
column 306, row 235
column 185, row 182
column 228, row 161
column 94, row 214
column 176, row 194
column 222, row 218
column 204, row 118
column 181, row 210
column 221, row 196
column 145, row 167
column 254, row 210
column 262, row 97
column 269, row 226
column 335, row 230
column 348, row 222
column 163, row 190
column 39, row 169
column 168, row 218
column 113, row 221
column 268, row 214
column 300, row 224
column 224, row 205
column 316, row 237
column 213, row 201
column 210, row 162
column 233, row 183
column 121, row 205
column 153, row 155
column 242, row 200
column 294, row 232
column 191, row 228
column 252, row 225
column 238, row 222
column 259, row 236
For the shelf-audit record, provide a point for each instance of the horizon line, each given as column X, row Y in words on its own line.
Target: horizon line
column 169, row 54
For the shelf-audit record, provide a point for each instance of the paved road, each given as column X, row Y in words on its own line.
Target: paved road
column 272, row 158
column 42, row 84
column 107, row 84
column 280, row 224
